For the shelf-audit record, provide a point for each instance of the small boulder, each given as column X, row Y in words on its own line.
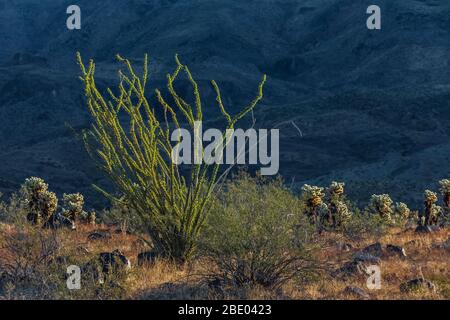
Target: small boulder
column 58, row 221
column 114, row 261
column 99, row 234
column 393, row 250
column 417, row 284
column 356, row 292
column 367, row 257
column 105, row 264
column 425, row 229
column 216, row 284
column 374, row 249
column 358, row 266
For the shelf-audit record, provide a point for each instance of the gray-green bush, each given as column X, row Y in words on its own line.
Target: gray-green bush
column 257, row 234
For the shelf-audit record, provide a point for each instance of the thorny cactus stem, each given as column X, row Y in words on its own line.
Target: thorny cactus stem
column 382, row 205
column 92, row 218
column 41, row 203
column 431, row 210
column 337, row 209
column 313, row 199
column 445, row 191
column 402, row 210
column 73, row 206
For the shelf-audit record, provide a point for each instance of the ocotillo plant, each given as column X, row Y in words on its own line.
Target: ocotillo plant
column 137, row 155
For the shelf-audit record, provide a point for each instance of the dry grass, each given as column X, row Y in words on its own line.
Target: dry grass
column 164, row 280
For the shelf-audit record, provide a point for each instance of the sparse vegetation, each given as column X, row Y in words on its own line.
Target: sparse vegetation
column 339, row 213
column 432, row 211
column 252, row 238
column 73, row 206
column 381, row 205
column 41, row 204
column 257, row 243
column 137, row 155
column 315, row 208
column 259, row 236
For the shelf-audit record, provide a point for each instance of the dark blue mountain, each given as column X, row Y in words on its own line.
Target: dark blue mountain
column 372, row 105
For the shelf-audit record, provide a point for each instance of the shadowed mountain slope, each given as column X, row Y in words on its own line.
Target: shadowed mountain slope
column 372, row 106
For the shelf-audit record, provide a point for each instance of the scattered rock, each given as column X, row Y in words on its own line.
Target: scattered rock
column 367, row 257
column 356, row 267
column 147, row 258
column 344, row 246
column 58, row 221
column 216, row 284
column 374, row 249
column 393, row 250
column 99, row 234
column 114, row 261
column 417, row 284
column 427, row 229
column 106, row 263
column 356, row 292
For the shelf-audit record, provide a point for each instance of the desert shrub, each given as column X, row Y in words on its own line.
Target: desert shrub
column 137, row 155
column 13, row 210
column 73, row 206
column 257, row 234
column 34, row 261
column 41, row 204
column 363, row 225
column 25, row 260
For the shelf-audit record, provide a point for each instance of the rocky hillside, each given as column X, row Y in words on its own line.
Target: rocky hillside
column 372, row 106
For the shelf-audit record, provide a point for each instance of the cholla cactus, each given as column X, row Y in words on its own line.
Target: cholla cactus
column 73, row 206
column 313, row 199
column 432, row 211
column 445, row 191
column 402, row 211
column 312, row 195
column 336, row 189
column 41, row 203
column 381, row 205
column 92, row 217
column 338, row 213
